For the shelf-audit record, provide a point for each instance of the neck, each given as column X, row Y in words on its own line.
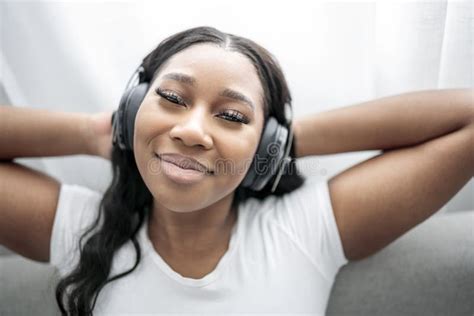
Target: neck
column 198, row 232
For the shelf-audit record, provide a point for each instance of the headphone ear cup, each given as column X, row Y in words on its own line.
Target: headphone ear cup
column 131, row 103
column 276, row 151
column 268, row 156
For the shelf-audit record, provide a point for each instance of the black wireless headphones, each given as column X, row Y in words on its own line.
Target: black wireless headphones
column 272, row 153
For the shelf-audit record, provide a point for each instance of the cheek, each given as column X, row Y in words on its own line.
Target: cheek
column 147, row 126
column 236, row 154
column 145, row 130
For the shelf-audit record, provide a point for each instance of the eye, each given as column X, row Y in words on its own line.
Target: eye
column 235, row 116
column 229, row 115
column 170, row 96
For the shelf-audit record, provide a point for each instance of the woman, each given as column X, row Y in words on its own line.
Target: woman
column 163, row 238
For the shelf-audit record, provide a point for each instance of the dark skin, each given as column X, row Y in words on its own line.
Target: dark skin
column 190, row 224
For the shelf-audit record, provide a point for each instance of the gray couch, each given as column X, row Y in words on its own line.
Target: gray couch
column 428, row 271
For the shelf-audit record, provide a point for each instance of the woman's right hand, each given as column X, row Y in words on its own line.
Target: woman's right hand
column 101, row 129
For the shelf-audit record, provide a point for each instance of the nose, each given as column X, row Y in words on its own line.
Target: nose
column 191, row 129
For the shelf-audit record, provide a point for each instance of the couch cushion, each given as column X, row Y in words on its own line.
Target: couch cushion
column 27, row 287
column 427, row 271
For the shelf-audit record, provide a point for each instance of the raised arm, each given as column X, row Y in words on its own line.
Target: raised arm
column 26, row 132
column 28, row 198
column 427, row 140
column 384, row 124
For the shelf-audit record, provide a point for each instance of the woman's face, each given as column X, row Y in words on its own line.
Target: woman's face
column 218, row 130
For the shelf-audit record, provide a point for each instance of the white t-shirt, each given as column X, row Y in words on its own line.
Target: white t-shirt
column 283, row 256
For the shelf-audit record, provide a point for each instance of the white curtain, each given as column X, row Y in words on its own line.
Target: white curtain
column 77, row 56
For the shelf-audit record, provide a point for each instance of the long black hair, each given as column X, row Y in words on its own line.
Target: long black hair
column 127, row 200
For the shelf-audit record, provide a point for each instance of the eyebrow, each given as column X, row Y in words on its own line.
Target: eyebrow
column 228, row 93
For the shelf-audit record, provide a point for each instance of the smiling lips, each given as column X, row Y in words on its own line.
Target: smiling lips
column 184, row 162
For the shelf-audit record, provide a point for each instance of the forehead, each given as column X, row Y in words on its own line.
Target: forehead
column 214, row 67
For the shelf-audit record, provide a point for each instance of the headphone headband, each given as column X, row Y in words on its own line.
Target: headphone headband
column 136, row 78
